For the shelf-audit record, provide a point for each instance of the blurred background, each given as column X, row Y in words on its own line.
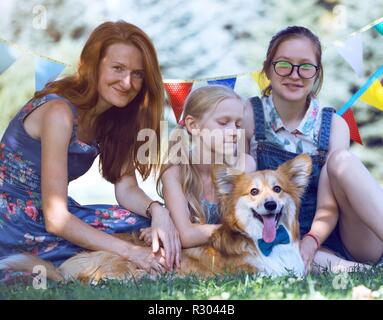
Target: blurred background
column 194, row 40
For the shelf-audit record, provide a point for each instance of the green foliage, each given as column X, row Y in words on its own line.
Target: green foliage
column 201, row 38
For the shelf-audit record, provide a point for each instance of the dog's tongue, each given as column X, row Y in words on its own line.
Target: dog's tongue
column 269, row 230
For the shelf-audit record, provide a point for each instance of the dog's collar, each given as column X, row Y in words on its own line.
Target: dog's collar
column 282, row 237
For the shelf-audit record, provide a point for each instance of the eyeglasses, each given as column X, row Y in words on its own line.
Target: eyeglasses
column 285, row 68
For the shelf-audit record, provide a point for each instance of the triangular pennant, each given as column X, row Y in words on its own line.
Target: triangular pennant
column 229, row 82
column 177, row 92
column 246, row 87
column 376, row 75
column 374, row 95
column 353, row 126
column 261, row 79
column 352, row 51
column 379, row 27
column 46, row 71
column 8, row 55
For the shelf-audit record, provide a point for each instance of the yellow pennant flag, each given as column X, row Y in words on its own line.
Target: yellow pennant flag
column 374, row 95
column 260, row 79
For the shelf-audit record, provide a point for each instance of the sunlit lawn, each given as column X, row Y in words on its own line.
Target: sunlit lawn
column 241, row 286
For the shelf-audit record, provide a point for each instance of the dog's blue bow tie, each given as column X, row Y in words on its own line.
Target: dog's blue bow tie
column 282, row 237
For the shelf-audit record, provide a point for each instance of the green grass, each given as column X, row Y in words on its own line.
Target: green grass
column 241, row 286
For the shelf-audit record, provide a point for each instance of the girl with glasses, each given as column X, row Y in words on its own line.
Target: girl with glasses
column 341, row 212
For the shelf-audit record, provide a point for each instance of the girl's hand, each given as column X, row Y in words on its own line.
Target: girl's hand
column 164, row 230
column 145, row 259
column 146, row 235
column 308, row 248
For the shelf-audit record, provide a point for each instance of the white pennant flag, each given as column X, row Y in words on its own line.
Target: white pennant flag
column 352, row 51
column 246, row 87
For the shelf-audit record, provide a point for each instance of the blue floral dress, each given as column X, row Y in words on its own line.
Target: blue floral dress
column 22, row 227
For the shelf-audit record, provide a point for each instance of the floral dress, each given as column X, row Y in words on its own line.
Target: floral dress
column 22, row 227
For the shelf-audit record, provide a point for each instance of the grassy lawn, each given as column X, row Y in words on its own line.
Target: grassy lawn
column 241, row 286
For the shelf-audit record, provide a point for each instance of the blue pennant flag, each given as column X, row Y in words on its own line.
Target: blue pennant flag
column 379, row 27
column 8, row 56
column 46, row 71
column 229, row 82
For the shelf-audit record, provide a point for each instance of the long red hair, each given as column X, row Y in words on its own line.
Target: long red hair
column 117, row 128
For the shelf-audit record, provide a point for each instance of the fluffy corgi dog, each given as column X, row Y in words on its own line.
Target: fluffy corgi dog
column 259, row 231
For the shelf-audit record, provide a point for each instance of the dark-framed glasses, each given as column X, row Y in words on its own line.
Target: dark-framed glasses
column 285, row 68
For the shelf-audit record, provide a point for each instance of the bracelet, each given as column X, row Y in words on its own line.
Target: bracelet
column 314, row 237
column 148, row 211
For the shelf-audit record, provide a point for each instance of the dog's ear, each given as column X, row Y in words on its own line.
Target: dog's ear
column 298, row 170
column 223, row 178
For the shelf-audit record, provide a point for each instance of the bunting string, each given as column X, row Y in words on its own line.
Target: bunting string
column 369, row 26
column 48, row 69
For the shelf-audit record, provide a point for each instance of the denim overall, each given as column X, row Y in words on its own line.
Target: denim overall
column 270, row 156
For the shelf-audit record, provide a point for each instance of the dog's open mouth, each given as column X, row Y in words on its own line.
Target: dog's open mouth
column 270, row 222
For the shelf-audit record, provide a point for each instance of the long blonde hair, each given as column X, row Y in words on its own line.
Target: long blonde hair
column 198, row 103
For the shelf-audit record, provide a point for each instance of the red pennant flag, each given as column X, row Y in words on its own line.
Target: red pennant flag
column 353, row 126
column 177, row 92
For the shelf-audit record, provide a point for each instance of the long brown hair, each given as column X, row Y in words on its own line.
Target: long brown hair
column 286, row 34
column 116, row 129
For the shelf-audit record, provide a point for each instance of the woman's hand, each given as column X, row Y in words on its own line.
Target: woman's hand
column 145, row 259
column 164, row 230
column 308, row 248
column 146, row 235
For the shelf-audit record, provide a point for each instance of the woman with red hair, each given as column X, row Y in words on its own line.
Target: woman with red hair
column 116, row 91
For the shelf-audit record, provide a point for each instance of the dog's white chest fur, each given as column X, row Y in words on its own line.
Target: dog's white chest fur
column 283, row 260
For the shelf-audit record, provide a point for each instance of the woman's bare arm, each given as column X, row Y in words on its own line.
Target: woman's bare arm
column 129, row 195
column 56, row 130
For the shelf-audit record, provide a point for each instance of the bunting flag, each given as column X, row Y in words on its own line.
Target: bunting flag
column 353, row 126
column 261, row 79
column 8, row 56
column 373, row 96
column 352, row 51
column 376, row 75
column 229, row 82
column 177, row 93
column 379, row 27
column 46, row 71
column 246, row 87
